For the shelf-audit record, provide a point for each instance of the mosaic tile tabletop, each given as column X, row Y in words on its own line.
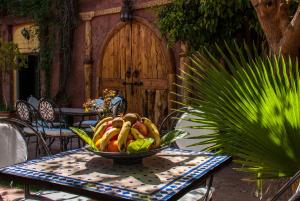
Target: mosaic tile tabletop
column 160, row 177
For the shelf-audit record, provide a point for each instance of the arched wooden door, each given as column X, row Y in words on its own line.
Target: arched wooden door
column 134, row 61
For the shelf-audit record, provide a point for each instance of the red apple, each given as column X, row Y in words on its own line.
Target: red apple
column 109, row 124
column 115, row 137
column 141, row 128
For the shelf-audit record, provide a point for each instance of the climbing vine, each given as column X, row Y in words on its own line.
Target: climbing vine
column 56, row 20
column 67, row 13
column 201, row 23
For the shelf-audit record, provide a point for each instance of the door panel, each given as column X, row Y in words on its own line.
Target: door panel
column 134, row 62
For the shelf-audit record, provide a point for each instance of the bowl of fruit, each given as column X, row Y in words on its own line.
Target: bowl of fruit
column 127, row 139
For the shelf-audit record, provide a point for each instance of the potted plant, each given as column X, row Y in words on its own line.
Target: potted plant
column 10, row 59
column 251, row 104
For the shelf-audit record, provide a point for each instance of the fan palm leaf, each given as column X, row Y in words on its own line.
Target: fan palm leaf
column 251, row 104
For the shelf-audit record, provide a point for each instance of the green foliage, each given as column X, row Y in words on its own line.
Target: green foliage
column 56, row 20
column 172, row 136
column 140, row 145
column 202, row 23
column 41, row 11
column 251, row 106
column 85, row 137
column 10, row 57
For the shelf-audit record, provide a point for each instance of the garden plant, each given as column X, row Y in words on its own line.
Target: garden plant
column 251, row 104
column 10, row 59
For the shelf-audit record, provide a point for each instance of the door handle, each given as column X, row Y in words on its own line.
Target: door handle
column 129, row 72
column 136, row 73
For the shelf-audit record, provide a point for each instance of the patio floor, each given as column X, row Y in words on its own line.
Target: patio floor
column 228, row 186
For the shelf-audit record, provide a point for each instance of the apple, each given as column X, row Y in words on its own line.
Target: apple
column 115, row 137
column 109, row 124
column 141, row 128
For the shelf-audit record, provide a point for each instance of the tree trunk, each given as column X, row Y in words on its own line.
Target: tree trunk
column 282, row 32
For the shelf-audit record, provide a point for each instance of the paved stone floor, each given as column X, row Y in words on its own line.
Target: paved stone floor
column 228, row 186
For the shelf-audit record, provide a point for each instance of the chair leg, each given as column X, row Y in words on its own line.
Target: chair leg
column 28, row 140
column 61, row 144
column 79, row 144
column 65, row 143
column 71, row 143
column 37, row 147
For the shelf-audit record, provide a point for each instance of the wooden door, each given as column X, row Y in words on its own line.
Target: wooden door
column 134, row 62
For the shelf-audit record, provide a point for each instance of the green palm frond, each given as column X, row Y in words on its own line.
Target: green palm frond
column 252, row 105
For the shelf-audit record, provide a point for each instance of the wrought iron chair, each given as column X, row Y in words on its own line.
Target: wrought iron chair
column 33, row 101
column 177, row 119
column 118, row 106
column 14, row 150
column 26, row 113
column 287, row 186
column 88, row 123
column 13, row 128
column 53, row 125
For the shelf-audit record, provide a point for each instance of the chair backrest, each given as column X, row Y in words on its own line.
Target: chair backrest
column 46, row 110
column 33, row 101
column 178, row 120
column 13, row 148
column 169, row 122
column 118, row 105
column 24, row 111
column 99, row 101
column 184, row 143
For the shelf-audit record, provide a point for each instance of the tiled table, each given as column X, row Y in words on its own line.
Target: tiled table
column 165, row 176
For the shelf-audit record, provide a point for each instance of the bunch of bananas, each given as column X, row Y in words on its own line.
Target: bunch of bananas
column 115, row 134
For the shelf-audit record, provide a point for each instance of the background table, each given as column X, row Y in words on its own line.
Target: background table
column 70, row 113
column 77, row 112
column 165, row 176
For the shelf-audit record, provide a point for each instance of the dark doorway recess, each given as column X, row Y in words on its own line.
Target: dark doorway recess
column 28, row 79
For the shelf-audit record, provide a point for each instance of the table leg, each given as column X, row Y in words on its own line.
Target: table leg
column 26, row 191
column 209, row 185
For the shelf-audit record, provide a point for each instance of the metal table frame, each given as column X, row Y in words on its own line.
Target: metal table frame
column 88, row 192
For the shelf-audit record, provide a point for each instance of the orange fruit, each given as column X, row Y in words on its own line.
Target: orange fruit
column 113, row 146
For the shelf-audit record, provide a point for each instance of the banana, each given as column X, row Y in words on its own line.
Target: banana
column 138, row 117
column 136, row 134
column 117, row 122
column 103, row 142
column 93, row 128
column 99, row 132
column 122, row 138
column 153, row 131
column 107, row 119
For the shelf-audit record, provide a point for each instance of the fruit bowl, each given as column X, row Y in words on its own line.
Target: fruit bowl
column 127, row 158
column 127, row 139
